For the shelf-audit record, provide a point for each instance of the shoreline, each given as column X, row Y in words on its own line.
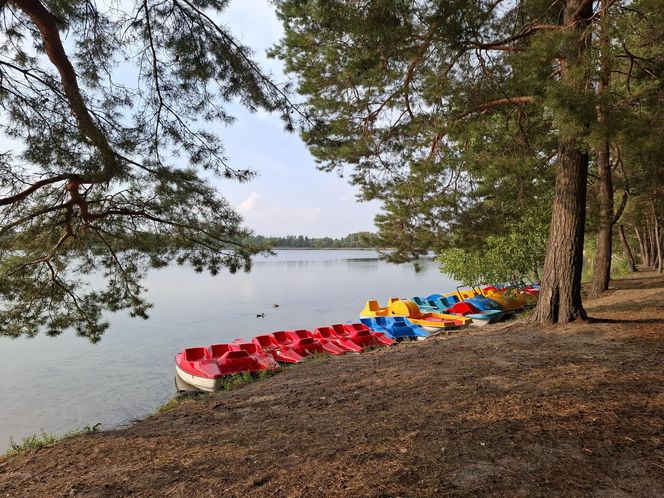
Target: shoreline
column 510, row 409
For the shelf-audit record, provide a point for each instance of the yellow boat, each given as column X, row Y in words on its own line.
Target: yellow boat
column 510, row 300
column 373, row 309
column 430, row 321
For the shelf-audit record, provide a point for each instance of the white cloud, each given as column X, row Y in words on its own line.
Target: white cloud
column 249, row 203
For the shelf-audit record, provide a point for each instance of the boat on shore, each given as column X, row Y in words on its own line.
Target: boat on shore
column 430, row 321
column 480, row 316
column 206, row 367
column 395, row 327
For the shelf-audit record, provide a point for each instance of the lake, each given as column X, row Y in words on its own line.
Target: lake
column 64, row 383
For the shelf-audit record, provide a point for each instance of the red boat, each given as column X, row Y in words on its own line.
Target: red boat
column 329, row 334
column 256, row 351
column 303, row 339
column 205, row 367
column 281, row 353
column 361, row 335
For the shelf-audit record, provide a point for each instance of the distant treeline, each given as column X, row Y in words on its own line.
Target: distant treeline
column 363, row 240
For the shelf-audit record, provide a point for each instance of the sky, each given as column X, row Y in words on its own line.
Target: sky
column 289, row 195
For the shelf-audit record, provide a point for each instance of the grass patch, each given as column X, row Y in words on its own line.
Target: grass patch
column 230, row 383
column 37, row 441
column 316, row 357
column 175, row 402
column 522, row 315
column 240, row 380
column 32, row 442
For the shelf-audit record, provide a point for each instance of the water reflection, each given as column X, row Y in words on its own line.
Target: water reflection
column 58, row 384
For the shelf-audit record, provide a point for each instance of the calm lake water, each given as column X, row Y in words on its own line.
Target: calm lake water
column 64, row 383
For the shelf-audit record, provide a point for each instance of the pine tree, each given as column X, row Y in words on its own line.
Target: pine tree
column 450, row 112
column 109, row 175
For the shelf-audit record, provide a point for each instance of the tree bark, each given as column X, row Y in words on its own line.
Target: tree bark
column 642, row 247
column 651, row 246
column 627, row 251
column 560, row 294
column 657, row 237
column 47, row 26
column 602, row 266
column 647, row 245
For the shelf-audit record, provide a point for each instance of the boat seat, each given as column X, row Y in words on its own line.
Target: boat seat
column 249, row 347
column 339, row 330
column 265, row 341
column 195, row 354
column 236, row 354
column 219, row 349
column 303, row 333
column 325, row 332
column 373, row 305
column 359, row 327
column 282, row 336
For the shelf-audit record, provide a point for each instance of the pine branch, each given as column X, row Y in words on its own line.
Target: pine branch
column 525, row 32
column 46, row 23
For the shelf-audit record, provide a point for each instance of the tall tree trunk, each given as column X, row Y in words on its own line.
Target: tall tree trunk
column 648, row 246
column 602, row 266
column 661, row 263
column 642, row 247
column 657, row 237
column 560, row 294
column 627, row 251
column 652, row 246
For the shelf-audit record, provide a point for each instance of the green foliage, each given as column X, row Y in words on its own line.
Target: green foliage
column 504, row 258
column 32, row 442
column 402, row 98
column 113, row 169
column 37, row 441
column 450, row 113
column 237, row 381
column 358, row 240
column 173, row 403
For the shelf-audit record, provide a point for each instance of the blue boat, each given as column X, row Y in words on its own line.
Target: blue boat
column 395, row 327
column 484, row 303
column 427, row 306
column 490, row 310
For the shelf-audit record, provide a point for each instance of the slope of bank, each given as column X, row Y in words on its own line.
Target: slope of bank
column 513, row 410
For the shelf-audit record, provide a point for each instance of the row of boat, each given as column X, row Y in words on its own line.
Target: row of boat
column 206, row 367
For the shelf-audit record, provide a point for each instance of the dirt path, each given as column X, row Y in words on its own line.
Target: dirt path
column 509, row 411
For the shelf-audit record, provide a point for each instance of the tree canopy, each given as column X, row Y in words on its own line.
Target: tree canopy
column 470, row 119
column 113, row 153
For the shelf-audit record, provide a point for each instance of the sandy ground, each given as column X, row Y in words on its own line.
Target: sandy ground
column 511, row 410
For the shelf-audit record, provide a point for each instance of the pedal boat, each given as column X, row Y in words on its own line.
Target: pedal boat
column 206, row 367
column 431, row 322
column 361, row 335
column 479, row 314
column 342, row 342
column 282, row 354
column 396, row 327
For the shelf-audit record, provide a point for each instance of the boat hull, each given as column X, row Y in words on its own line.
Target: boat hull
column 480, row 322
column 206, row 384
